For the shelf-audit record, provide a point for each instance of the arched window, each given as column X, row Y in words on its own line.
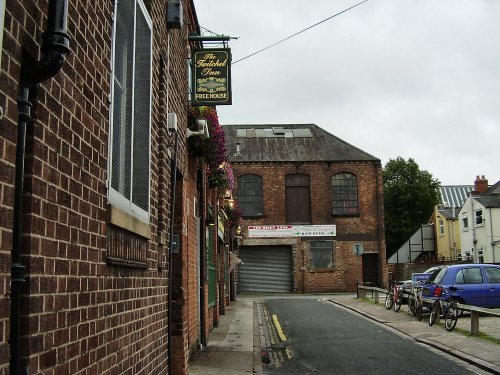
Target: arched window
column 345, row 194
column 298, row 199
column 250, row 196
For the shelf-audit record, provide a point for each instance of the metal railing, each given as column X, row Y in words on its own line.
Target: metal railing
column 475, row 311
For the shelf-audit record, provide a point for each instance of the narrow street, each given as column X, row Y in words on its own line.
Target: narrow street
column 307, row 335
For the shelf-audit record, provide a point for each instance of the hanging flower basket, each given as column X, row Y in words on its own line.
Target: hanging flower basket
column 212, row 149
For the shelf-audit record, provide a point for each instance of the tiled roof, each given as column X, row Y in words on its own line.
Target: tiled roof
column 288, row 143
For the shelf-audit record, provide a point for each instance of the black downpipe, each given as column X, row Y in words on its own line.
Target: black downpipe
column 55, row 47
column 173, row 177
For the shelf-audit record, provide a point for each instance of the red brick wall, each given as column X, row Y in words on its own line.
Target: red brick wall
column 366, row 228
column 81, row 314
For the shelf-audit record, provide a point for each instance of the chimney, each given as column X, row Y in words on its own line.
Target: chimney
column 480, row 185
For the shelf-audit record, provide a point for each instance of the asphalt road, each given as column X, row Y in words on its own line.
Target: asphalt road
column 322, row 338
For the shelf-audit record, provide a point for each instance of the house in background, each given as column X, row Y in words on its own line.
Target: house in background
column 445, row 221
column 312, row 207
column 439, row 239
column 480, row 223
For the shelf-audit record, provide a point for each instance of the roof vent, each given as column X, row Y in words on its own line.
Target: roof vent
column 278, row 130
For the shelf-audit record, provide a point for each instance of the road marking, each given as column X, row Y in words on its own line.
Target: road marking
column 277, row 324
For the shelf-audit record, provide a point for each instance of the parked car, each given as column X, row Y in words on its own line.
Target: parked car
column 470, row 284
column 419, row 278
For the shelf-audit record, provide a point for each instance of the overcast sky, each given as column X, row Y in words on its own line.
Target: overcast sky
column 412, row 78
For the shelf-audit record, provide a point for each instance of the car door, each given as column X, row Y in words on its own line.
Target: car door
column 493, row 280
column 471, row 286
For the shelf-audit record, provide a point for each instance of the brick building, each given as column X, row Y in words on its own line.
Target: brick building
column 309, row 200
column 103, row 245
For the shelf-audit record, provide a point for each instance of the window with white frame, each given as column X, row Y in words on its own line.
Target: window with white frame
column 441, row 227
column 130, row 154
column 479, row 217
column 465, row 221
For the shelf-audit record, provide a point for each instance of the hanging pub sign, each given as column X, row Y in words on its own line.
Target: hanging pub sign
column 211, row 77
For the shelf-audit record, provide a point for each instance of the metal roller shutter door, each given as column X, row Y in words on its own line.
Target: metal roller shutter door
column 265, row 269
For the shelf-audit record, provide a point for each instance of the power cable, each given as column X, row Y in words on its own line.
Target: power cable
column 300, row 32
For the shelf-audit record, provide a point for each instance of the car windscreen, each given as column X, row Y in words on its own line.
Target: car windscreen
column 437, row 276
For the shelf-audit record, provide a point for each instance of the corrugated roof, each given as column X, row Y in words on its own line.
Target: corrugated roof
column 289, row 142
column 454, row 196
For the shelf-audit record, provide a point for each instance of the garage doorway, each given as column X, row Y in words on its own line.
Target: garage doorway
column 265, row 269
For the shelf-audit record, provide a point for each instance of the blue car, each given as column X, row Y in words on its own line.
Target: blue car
column 470, row 284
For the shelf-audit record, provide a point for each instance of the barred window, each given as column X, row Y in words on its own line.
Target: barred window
column 131, row 109
column 345, row 194
column 250, row 195
column 321, row 254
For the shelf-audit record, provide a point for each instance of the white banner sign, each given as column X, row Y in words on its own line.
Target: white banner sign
column 314, row 231
column 279, row 231
column 267, row 231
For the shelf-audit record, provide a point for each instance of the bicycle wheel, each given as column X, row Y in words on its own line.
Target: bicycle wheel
column 420, row 311
column 451, row 317
column 398, row 302
column 412, row 305
column 389, row 300
column 434, row 313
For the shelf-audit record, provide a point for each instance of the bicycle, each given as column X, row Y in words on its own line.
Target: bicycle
column 394, row 297
column 415, row 304
column 446, row 309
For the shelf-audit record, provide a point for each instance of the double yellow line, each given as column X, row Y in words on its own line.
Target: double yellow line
column 277, row 324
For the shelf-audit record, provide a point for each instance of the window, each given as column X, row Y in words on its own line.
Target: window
column 130, row 154
column 2, row 15
column 493, row 275
column 345, row 194
column 321, row 254
column 441, row 227
column 465, row 221
column 469, row 276
column 479, row 217
column 250, row 199
column 297, row 197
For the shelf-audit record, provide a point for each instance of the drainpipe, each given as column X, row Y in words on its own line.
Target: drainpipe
column 55, row 47
column 492, row 242
column 173, row 188
column 203, row 277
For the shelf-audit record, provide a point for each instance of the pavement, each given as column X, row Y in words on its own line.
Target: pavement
column 236, row 346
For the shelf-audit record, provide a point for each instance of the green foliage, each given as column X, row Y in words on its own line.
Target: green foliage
column 410, row 195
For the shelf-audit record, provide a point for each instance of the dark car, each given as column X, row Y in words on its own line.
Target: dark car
column 470, row 284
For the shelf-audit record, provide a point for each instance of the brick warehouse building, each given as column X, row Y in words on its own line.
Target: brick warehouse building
column 290, row 179
column 91, row 279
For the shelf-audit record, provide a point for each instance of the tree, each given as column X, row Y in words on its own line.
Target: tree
column 410, row 195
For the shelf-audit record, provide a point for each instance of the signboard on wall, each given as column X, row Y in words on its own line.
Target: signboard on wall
column 270, row 231
column 314, row 230
column 280, row 231
column 211, row 77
